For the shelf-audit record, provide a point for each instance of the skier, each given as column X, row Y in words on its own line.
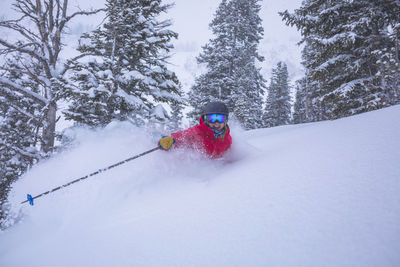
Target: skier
column 211, row 136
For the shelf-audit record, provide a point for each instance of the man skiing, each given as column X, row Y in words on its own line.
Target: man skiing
column 211, row 136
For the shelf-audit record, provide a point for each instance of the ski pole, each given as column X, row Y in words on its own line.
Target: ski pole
column 30, row 198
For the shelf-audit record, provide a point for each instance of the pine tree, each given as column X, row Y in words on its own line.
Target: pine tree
column 278, row 108
column 307, row 106
column 32, row 83
column 17, row 147
column 300, row 114
column 19, row 135
column 346, row 40
column 128, row 70
column 230, row 57
column 175, row 122
column 38, row 33
column 389, row 57
column 217, row 82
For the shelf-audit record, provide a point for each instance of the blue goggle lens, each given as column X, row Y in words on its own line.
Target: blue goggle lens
column 212, row 118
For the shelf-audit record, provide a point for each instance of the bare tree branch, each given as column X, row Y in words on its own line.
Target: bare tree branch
column 23, row 50
column 15, row 26
column 39, row 29
column 37, row 78
column 68, row 67
column 27, row 114
column 21, row 90
column 86, row 13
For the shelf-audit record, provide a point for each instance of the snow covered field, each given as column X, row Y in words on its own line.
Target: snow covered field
column 318, row 194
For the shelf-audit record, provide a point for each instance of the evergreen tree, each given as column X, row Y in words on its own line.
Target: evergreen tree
column 17, row 148
column 307, row 107
column 346, row 42
column 278, row 108
column 37, row 32
column 230, row 57
column 19, row 136
column 300, row 114
column 175, row 122
column 158, row 121
column 127, row 72
column 31, row 83
column 389, row 57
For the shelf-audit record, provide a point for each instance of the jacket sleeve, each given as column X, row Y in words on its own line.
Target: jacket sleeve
column 185, row 138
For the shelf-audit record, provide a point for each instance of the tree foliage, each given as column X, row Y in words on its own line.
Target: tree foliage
column 278, row 107
column 231, row 58
column 351, row 54
column 31, row 83
column 127, row 70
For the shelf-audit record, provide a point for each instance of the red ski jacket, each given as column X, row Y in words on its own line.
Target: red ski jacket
column 202, row 138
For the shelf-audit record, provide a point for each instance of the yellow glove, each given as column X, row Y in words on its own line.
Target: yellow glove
column 166, row 143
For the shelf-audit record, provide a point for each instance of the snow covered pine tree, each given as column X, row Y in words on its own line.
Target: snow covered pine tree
column 127, row 69
column 31, row 83
column 349, row 43
column 230, row 58
column 277, row 110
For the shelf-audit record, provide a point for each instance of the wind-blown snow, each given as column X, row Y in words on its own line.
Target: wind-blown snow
column 318, row 194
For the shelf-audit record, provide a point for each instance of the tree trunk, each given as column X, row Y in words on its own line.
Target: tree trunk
column 49, row 128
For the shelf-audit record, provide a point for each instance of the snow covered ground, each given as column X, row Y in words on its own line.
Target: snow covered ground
column 317, row 194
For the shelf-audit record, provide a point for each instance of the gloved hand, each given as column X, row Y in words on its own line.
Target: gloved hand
column 166, row 143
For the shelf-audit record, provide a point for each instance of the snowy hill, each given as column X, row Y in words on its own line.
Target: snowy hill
column 318, row 194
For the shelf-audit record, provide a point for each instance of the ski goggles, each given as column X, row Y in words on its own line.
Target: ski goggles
column 213, row 118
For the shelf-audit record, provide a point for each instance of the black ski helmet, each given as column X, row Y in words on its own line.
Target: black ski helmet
column 216, row 107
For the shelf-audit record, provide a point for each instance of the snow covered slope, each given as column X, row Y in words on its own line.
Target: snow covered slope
column 319, row 194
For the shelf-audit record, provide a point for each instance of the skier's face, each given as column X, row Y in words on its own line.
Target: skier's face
column 217, row 125
column 216, row 121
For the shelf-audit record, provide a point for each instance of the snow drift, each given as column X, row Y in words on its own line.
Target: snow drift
column 317, row 194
